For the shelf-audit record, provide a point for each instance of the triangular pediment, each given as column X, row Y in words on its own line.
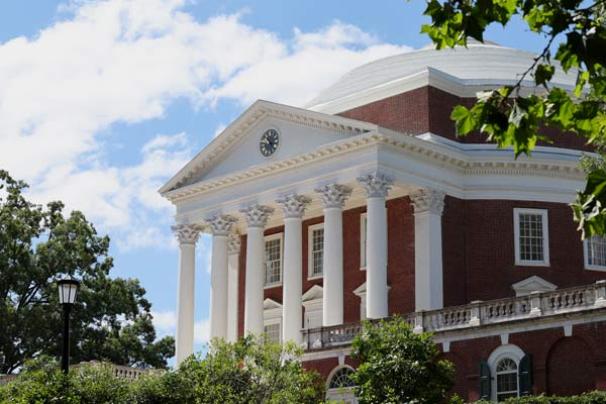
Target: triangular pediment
column 532, row 284
column 270, row 304
column 360, row 290
column 313, row 293
column 236, row 148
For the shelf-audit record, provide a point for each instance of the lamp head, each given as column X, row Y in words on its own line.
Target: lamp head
column 68, row 290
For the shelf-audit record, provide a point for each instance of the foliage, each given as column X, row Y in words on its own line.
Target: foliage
column 399, row 366
column 40, row 244
column 575, row 39
column 594, row 397
column 242, row 372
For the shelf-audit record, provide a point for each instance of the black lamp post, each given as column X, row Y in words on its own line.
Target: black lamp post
column 68, row 289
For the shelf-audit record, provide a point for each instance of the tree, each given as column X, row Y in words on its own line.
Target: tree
column 399, row 366
column 575, row 39
column 38, row 245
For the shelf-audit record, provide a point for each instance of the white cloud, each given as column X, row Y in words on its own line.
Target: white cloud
column 165, row 323
column 126, row 61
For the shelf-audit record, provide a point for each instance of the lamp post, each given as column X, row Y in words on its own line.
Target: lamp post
column 68, row 289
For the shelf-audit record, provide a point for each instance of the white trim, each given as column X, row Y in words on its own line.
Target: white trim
column 510, row 351
column 266, row 239
column 363, row 218
column 516, row 230
column 591, row 267
column 341, row 394
column 312, row 302
column 533, row 284
column 310, row 243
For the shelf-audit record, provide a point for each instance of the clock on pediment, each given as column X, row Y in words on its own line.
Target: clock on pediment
column 270, row 140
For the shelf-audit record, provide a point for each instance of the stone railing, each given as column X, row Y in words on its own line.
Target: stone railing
column 123, row 372
column 475, row 314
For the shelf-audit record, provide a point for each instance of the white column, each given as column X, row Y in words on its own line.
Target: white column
column 333, row 196
column 428, row 205
column 256, row 218
column 376, row 186
column 221, row 226
column 187, row 236
column 292, row 286
column 233, row 264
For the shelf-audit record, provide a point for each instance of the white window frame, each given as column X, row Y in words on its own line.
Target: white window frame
column 591, row 267
column 516, row 230
column 266, row 239
column 310, row 243
column 274, row 321
column 504, row 351
column 363, row 232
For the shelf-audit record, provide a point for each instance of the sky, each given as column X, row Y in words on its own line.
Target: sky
column 101, row 102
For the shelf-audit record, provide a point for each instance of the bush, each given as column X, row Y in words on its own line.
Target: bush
column 247, row 371
column 594, row 397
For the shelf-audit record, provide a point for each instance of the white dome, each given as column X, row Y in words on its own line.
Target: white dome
column 480, row 64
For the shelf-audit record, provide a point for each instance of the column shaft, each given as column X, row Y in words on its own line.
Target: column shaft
column 232, row 296
column 218, row 291
column 428, row 261
column 332, row 308
column 376, row 259
column 253, row 309
column 185, row 302
column 292, row 309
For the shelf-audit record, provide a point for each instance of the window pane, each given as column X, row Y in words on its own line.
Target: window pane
column 507, row 379
column 531, row 237
column 341, row 379
column 596, row 251
column 272, row 332
column 317, row 251
column 273, row 261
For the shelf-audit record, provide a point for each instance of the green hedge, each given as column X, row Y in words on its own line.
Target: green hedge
column 594, row 397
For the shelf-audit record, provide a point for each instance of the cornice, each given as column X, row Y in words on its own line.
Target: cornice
column 459, row 160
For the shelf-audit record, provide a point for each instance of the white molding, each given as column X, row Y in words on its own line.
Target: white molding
column 266, row 239
column 310, row 264
column 504, row 351
column 533, row 284
column 516, row 231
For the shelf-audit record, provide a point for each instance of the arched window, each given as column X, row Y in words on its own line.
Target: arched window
column 507, row 379
column 341, row 378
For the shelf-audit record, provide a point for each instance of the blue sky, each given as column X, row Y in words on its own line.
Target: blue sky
column 101, row 102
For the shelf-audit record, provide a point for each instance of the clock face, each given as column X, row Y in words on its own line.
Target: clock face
column 270, row 140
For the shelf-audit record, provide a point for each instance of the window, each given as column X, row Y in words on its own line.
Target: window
column 531, row 237
column 507, row 379
column 273, row 260
column 273, row 332
column 316, row 250
column 363, row 226
column 595, row 253
column 341, row 378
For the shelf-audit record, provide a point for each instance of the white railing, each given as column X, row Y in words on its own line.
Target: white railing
column 475, row 314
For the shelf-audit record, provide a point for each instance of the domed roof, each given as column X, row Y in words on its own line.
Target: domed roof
column 480, row 64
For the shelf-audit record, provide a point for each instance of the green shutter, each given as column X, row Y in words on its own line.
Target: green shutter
column 485, row 381
column 525, row 376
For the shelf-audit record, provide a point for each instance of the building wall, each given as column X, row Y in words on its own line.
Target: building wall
column 478, row 254
column 427, row 109
column 560, row 365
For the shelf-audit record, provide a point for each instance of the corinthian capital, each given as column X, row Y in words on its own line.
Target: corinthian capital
column 334, row 195
column 187, row 233
column 428, row 200
column 233, row 244
column 294, row 205
column 376, row 185
column 221, row 224
column 257, row 215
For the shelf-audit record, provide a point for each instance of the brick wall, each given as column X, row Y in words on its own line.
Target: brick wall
column 427, row 109
column 478, row 254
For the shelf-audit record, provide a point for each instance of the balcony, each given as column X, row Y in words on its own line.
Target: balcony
column 536, row 306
